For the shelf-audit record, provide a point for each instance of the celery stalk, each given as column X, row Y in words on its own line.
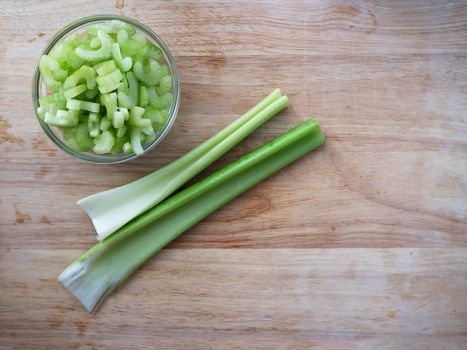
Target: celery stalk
column 109, row 263
column 110, row 210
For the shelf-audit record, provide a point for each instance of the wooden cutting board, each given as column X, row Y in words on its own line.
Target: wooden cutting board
column 360, row 245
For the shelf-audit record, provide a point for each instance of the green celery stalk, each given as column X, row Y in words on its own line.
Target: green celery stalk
column 110, row 210
column 109, row 263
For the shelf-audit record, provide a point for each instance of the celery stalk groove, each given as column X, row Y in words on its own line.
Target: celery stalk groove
column 110, row 210
column 110, row 262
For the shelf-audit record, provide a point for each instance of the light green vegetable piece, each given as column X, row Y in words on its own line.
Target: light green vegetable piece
column 135, row 140
column 125, row 100
column 75, row 91
column 77, row 105
column 165, row 85
column 84, row 141
column 105, row 68
column 143, row 96
column 123, row 63
column 62, row 118
column 103, row 53
column 109, row 82
column 104, row 142
column 122, row 36
column 137, row 120
column 47, row 67
column 159, row 102
column 119, row 118
column 84, row 73
column 149, row 74
column 105, row 124
column 94, row 121
column 110, row 103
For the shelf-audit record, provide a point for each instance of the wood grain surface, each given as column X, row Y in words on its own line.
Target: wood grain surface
column 360, row 245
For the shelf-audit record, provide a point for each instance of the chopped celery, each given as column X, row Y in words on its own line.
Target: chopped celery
column 118, row 119
column 75, row 91
column 103, row 53
column 154, row 52
column 165, row 85
column 127, row 148
column 82, row 105
column 109, row 82
column 158, row 118
column 123, row 63
column 62, row 118
column 122, row 36
column 94, row 122
column 104, row 142
column 105, row 68
column 125, row 100
column 89, row 71
column 83, row 73
column 132, row 48
column 135, row 140
column 48, row 65
column 110, row 103
column 41, row 112
column 95, row 43
column 105, row 124
column 136, row 118
column 149, row 74
column 110, row 262
column 118, row 145
column 84, row 141
column 121, row 131
column 143, row 96
column 110, row 210
column 159, row 102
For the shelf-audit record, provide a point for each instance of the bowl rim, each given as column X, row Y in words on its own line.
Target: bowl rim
column 173, row 112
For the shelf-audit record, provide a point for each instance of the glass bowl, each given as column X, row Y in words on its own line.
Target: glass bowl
column 39, row 89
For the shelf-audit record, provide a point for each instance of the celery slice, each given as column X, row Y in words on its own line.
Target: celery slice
column 94, row 121
column 75, row 91
column 127, row 148
column 106, row 209
column 110, row 103
column 118, row 120
column 135, row 140
column 48, row 65
column 105, row 68
column 153, row 52
column 149, row 74
column 83, row 73
column 109, row 82
column 62, row 118
column 103, row 53
column 143, row 96
column 125, row 100
column 105, row 124
column 123, row 63
column 109, row 263
column 77, row 105
column 121, row 131
column 84, row 141
column 165, row 85
column 104, row 142
column 122, row 36
column 159, row 102
column 136, row 118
